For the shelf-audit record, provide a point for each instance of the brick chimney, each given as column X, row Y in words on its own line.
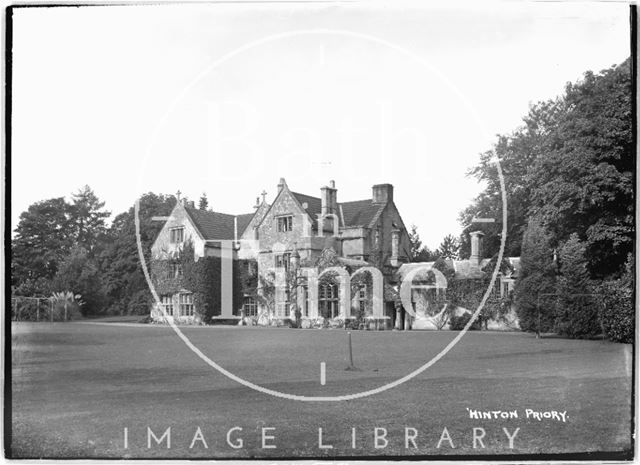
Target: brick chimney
column 329, row 199
column 382, row 193
column 476, row 248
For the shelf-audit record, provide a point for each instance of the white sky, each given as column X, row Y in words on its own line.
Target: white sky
column 126, row 99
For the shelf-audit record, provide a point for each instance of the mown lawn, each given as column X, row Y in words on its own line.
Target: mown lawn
column 77, row 386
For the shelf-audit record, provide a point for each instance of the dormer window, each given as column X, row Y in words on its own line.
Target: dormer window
column 285, row 223
column 176, row 235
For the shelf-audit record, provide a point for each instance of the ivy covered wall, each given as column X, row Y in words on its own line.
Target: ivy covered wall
column 203, row 279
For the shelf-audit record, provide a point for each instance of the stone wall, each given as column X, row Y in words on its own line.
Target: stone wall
column 389, row 216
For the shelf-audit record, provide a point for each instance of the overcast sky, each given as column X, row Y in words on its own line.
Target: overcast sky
column 227, row 98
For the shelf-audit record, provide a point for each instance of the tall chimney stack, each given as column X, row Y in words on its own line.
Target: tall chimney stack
column 281, row 184
column 329, row 199
column 382, row 193
column 476, row 247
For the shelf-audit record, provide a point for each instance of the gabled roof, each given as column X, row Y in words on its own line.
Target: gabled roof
column 361, row 212
column 243, row 222
column 214, row 225
column 314, row 204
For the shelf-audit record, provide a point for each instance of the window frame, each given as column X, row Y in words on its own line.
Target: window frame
column 362, row 297
column 284, row 223
column 283, row 260
column 185, row 304
column 173, row 235
column 329, row 299
column 167, row 303
column 249, row 306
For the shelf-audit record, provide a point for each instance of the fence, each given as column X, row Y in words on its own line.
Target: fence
column 38, row 309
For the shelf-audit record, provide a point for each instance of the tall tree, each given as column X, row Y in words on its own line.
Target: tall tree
column 419, row 252
column 584, row 183
column 87, row 218
column 536, row 280
column 516, row 153
column 449, row 247
column 122, row 277
column 572, row 164
column 203, row 203
column 578, row 316
column 79, row 274
column 40, row 244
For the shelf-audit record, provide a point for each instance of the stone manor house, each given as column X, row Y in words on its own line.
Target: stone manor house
column 298, row 232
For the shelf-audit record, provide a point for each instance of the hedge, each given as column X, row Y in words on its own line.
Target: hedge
column 617, row 310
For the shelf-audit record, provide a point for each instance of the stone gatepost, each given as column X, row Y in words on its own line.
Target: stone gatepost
column 407, row 321
column 399, row 320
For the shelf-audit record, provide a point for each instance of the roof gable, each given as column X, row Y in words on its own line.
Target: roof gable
column 212, row 225
column 314, row 205
column 243, row 222
column 299, row 199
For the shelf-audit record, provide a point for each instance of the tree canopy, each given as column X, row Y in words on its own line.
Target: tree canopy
column 41, row 243
column 571, row 163
column 419, row 252
column 61, row 246
column 449, row 247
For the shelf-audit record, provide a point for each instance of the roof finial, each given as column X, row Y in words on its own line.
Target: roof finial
column 264, row 195
column 178, row 195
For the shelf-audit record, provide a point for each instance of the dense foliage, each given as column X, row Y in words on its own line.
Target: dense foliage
column 568, row 173
column 577, row 314
column 202, row 277
column 536, row 287
column 572, row 164
column 61, row 246
column 41, row 243
column 616, row 301
column 457, row 323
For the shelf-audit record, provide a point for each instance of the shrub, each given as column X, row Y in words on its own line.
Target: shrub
column 140, row 302
column 66, row 305
column 468, row 294
column 354, row 323
column 457, row 323
column 617, row 309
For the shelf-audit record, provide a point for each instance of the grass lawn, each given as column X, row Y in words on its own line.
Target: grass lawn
column 76, row 386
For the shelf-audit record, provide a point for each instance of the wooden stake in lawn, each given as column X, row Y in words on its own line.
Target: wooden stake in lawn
column 351, row 366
